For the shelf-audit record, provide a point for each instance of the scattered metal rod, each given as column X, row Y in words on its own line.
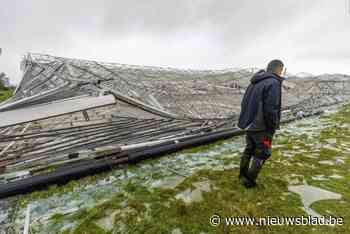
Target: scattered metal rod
column 58, row 132
column 13, row 142
column 64, row 175
column 106, row 140
column 127, row 132
column 136, row 123
column 104, row 135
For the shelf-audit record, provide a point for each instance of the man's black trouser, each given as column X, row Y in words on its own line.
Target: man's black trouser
column 256, row 152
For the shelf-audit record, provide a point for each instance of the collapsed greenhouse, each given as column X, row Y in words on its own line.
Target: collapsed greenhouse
column 70, row 117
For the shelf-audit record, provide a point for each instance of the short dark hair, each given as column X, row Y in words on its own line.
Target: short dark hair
column 274, row 64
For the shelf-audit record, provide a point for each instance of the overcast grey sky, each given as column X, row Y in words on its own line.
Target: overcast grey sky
column 309, row 36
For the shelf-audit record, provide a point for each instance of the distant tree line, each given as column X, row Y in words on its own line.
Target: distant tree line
column 2, row 86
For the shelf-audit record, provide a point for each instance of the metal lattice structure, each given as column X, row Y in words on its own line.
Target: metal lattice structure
column 68, row 110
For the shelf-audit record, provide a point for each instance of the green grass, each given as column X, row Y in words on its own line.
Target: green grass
column 5, row 94
column 140, row 209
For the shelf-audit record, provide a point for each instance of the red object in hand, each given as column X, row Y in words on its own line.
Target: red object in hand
column 267, row 143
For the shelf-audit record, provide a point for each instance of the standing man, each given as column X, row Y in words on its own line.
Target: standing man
column 260, row 117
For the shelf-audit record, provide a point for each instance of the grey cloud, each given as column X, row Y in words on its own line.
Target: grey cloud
column 232, row 28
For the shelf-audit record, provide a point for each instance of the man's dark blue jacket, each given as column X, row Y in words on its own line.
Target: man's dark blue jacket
column 261, row 104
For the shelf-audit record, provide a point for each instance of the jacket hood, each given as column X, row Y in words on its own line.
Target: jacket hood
column 263, row 75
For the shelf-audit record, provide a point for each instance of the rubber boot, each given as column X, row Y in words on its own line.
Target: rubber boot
column 253, row 172
column 244, row 165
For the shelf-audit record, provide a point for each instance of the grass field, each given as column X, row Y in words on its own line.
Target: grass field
column 5, row 94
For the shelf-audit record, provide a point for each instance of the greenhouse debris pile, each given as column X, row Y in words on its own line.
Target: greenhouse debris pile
column 70, row 116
